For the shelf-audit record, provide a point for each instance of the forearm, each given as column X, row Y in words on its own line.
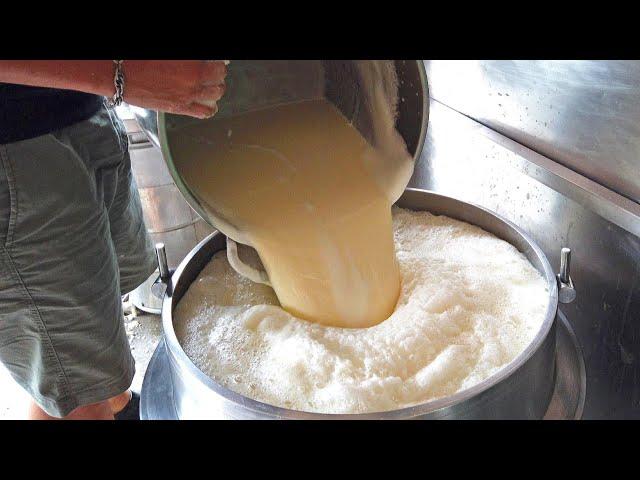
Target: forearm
column 90, row 76
column 186, row 87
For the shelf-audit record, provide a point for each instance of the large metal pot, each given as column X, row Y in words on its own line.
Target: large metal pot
column 522, row 389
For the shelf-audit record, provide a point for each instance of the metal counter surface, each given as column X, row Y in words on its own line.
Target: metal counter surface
column 557, row 207
column 582, row 113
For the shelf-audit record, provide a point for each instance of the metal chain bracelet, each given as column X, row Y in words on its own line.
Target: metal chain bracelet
column 118, row 82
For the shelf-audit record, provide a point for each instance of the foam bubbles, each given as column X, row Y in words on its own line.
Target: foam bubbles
column 470, row 303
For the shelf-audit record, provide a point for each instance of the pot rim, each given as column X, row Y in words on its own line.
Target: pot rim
column 175, row 350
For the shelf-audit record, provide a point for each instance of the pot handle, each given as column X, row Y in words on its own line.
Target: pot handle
column 162, row 284
column 253, row 274
column 566, row 290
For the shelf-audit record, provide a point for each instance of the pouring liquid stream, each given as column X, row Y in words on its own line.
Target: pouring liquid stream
column 302, row 186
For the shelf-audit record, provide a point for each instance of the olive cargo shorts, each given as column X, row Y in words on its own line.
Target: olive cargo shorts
column 72, row 240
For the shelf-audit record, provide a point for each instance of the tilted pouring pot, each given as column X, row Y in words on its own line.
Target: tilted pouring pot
column 257, row 84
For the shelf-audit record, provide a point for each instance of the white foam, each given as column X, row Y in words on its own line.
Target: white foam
column 470, row 303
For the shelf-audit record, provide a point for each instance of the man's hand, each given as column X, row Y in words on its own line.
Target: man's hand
column 188, row 87
column 185, row 87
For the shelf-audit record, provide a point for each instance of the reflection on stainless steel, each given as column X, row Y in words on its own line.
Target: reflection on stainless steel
column 164, row 209
column 468, row 160
column 569, row 393
column 148, row 121
column 148, row 167
column 156, row 397
column 522, row 389
column 582, row 114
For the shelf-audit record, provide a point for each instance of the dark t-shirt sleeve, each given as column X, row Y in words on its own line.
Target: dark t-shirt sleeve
column 28, row 112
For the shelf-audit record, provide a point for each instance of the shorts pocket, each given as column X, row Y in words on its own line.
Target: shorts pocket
column 100, row 141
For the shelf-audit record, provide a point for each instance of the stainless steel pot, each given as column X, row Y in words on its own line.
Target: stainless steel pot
column 521, row 390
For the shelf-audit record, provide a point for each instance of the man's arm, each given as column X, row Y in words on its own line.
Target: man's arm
column 186, row 87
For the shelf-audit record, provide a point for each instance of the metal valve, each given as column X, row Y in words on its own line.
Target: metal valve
column 566, row 290
column 163, row 282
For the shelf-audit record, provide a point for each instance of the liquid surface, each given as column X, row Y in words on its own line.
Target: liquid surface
column 303, row 187
column 470, row 303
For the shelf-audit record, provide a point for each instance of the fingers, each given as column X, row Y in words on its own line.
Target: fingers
column 211, row 92
column 190, row 91
column 187, row 87
column 213, row 72
column 199, row 110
